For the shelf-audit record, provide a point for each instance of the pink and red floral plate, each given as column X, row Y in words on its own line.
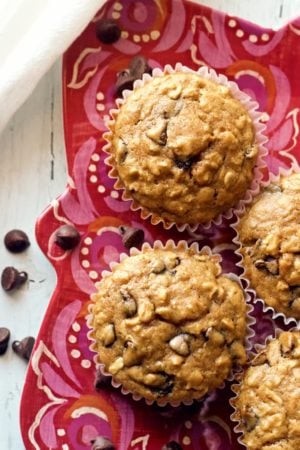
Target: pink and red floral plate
column 60, row 408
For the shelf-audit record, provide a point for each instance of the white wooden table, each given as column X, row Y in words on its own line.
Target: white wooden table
column 32, row 173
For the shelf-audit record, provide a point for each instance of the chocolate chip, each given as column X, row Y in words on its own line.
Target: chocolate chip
column 67, row 237
column 16, row 241
column 4, row 338
column 124, row 81
column 132, row 237
column 269, row 264
column 108, row 31
column 172, row 445
column 166, row 387
column 101, row 381
column 130, row 306
column 11, row 278
column 102, row 443
column 138, row 66
column 24, row 347
column 184, row 164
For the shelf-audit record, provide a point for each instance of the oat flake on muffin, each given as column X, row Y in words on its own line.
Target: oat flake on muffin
column 168, row 325
column 268, row 396
column 269, row 233
column 184, row 148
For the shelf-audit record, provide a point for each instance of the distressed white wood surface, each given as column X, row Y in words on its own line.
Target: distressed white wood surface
column 32, row 173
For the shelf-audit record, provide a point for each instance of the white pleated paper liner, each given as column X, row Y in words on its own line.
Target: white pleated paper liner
column 250, row 105
column 283, row 172
column 238, row 379
column 181, row 246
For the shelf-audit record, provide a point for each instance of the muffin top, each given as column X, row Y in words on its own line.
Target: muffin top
column 184, row 148
column 269, row 233
column 168, row 326
column 267, row 403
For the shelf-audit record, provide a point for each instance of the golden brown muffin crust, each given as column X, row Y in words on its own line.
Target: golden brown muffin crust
column 269, row 233
column 184, row 148
column 168, row 325
column 269, row 395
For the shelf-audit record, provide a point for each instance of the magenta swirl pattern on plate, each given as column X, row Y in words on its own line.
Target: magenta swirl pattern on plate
column 60, row 408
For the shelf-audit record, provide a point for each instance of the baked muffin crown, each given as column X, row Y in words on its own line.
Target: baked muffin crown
column 269, row 235
column 168, row 325
column 268, row 396
column 184, row 148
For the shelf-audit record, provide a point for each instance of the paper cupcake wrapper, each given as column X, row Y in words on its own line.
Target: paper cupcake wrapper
column 170, row 245
column 250, row 105
column 239, row 213
column 237, row 380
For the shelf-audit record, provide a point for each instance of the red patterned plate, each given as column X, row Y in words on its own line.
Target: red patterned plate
column 60, row 408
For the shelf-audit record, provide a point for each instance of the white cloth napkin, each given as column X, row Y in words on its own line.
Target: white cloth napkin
column 33, row 34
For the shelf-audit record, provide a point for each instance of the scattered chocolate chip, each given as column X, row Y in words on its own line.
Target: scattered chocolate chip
column 11, row 278
column 4, row 338
column 172, row 445
column 108, row 31
column 102, row 443
column 16, row 241
column 24, row 347
column 67, row 237
column 132, row 237
column 184, row 164
column 138, row 66
column 124, row 81
column 269, row 263
column 101, row 381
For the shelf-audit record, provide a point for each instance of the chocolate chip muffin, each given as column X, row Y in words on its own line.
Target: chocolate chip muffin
column 183, row 147
column 267, row 402
column 269, row 233
column 168, row 325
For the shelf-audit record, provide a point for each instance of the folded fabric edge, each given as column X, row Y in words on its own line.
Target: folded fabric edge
column 49, row 36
